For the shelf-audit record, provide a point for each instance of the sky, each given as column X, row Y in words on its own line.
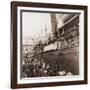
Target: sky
column 34, row 24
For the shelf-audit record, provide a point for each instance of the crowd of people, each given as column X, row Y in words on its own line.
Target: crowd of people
column 39, row 68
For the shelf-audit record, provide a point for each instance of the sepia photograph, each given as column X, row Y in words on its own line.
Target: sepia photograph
column 49, row 44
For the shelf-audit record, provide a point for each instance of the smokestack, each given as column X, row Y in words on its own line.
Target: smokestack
column 53, row 23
